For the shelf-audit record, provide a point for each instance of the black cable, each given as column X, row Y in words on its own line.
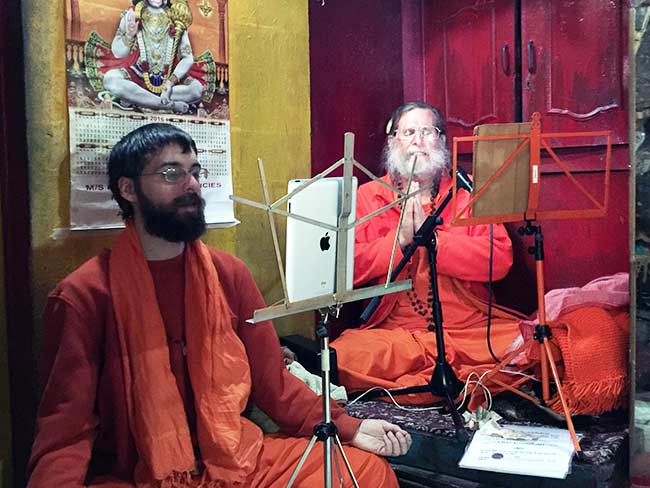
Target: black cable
column 489, row 303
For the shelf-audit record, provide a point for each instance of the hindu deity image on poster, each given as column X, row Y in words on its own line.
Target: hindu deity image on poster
column 132, row 62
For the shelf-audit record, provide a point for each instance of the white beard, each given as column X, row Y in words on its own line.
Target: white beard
column 430, row 165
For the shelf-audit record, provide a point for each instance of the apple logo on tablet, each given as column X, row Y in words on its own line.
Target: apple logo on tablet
column 325, row 242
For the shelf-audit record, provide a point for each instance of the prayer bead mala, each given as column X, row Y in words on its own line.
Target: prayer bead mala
column 417, row 304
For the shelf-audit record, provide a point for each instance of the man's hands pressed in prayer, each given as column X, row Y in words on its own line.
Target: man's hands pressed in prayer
column 381, row 437
column 413, row 217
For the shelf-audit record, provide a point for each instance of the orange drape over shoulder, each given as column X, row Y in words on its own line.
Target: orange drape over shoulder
column 217, row 363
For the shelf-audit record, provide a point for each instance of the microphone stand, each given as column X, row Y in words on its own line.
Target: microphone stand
column 444, row 382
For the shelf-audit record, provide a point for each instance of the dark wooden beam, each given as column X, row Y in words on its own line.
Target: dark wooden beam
column 15, row 202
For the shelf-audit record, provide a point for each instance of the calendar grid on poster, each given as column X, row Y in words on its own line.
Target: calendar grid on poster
column 93, row 133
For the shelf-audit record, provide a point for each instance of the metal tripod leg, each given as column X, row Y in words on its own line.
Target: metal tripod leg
column 328, row 451
column 543, row 331
column 326, row 430
column 313, row 440
column 345, row 460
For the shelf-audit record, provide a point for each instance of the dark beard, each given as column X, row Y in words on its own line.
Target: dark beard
column 166, row 222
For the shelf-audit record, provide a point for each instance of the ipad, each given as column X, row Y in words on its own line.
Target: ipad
column 310, row 249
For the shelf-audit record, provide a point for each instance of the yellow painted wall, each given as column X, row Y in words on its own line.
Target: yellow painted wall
column 269, row 81
column 269, row 76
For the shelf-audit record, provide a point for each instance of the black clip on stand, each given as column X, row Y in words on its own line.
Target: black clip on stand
column 444, row 382
column 543, row 330
column 325, row 430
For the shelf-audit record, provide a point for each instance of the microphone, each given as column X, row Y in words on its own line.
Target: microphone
column 463, row 183
column 462, row 180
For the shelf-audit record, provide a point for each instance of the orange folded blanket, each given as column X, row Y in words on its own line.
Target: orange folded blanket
column 594, row 345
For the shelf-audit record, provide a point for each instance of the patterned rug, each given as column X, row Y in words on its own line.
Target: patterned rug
column 600, row 437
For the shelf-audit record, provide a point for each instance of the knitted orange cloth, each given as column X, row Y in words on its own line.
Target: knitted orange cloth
column 594, row 346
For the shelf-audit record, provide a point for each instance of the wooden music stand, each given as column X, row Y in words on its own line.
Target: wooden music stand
column 521, row 202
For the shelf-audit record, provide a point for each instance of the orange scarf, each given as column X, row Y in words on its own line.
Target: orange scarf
column 217, row 364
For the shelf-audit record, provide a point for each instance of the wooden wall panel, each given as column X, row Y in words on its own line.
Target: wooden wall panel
column 356, row 77
column 469, row 62
column 574, row 66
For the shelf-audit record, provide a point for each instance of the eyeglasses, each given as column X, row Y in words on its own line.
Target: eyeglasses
column 176, row 174
column 428, row 132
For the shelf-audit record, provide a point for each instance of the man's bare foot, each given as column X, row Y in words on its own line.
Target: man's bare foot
column 180, row 107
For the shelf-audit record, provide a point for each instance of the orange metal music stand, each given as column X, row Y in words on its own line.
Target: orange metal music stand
column 536, row 141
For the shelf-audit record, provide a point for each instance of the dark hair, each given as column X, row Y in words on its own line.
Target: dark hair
column 407, row 107
column 132, row 153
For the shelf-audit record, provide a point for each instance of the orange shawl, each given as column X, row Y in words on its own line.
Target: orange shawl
column 217, row 364
column 594, row 345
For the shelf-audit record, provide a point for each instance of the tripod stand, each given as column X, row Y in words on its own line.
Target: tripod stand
column 325, row 431
column 517, row 174
column 444, row 382
column 542, row 335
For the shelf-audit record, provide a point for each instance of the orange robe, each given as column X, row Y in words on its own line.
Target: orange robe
column 394, row 349
column 83, row 436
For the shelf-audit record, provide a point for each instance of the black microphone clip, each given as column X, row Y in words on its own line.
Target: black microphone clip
column 462, row 180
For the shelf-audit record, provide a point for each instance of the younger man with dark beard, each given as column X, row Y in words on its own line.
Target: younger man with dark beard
column 150, row 362
column 395, row 349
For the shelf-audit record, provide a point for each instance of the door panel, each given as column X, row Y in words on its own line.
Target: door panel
column 469, row 61
column 574, row 57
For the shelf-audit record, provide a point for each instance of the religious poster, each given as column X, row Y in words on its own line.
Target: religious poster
column 133, row 62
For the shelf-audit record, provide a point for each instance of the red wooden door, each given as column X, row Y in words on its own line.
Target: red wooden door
column 469, row 61
column 574, row 58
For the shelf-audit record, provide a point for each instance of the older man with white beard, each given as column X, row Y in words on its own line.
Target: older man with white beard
column 395, row 348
